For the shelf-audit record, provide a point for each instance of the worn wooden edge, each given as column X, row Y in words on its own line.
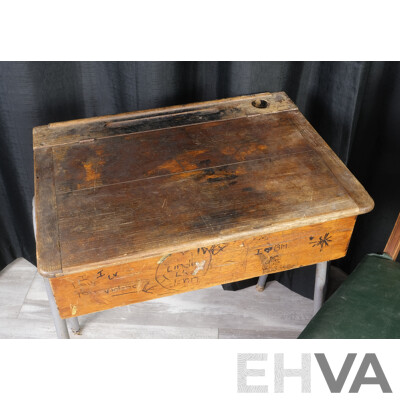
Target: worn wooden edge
column 343, row 175
column 47, row 234
column 392, row 247
column 94, row 128
column 222, row 238
column 171, row 109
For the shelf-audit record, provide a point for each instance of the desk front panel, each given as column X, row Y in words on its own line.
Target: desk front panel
column 121, row 284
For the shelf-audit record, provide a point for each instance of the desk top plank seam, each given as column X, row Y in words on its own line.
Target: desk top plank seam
column 188, row 171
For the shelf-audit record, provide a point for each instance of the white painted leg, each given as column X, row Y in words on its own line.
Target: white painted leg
column 262, row 280
column 320, row 281
column 59, row 323
column 74, row 325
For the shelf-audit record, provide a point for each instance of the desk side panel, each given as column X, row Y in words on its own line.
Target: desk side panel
column 103, row 288
column 47, row 235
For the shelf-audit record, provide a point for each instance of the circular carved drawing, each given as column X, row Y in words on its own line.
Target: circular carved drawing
column 182, row 270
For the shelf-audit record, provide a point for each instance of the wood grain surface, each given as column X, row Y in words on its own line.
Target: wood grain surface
column 140, row 185
column 392, row 247
column 47, row 234
column 96, row 128
column 103, row 288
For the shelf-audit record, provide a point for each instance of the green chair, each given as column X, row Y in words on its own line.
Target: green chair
column 367, row 304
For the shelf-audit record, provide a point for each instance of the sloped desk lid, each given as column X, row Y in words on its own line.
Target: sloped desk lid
column 130, row 186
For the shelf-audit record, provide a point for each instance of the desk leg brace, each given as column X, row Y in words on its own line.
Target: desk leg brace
column 60, row 324
column 320, row 281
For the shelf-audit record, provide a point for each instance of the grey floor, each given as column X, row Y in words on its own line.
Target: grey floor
column 208, row 313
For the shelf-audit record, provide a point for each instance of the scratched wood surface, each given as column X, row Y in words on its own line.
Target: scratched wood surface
column 116, row 189
column 103, row 288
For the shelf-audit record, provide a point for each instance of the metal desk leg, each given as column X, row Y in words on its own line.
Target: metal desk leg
column 262, row 280
column 320, row 280
column 60, row 324
column 74, row 325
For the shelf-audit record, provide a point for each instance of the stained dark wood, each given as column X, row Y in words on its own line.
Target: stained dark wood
column 139, row 121
column 148, row 216
column 47, row 233
column 345, row 178
column 142, row 185
column 150, row 154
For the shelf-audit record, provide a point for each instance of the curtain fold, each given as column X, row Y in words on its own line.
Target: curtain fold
column 353, row 105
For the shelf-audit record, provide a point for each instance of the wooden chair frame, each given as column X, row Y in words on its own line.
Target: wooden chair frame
column 392, row 247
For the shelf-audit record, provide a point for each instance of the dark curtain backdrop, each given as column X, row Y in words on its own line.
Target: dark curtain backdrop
column 355, row 106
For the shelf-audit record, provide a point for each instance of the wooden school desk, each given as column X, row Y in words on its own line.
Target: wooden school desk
column 136, row 206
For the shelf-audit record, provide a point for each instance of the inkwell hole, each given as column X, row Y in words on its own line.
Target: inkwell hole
column 259, row 103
